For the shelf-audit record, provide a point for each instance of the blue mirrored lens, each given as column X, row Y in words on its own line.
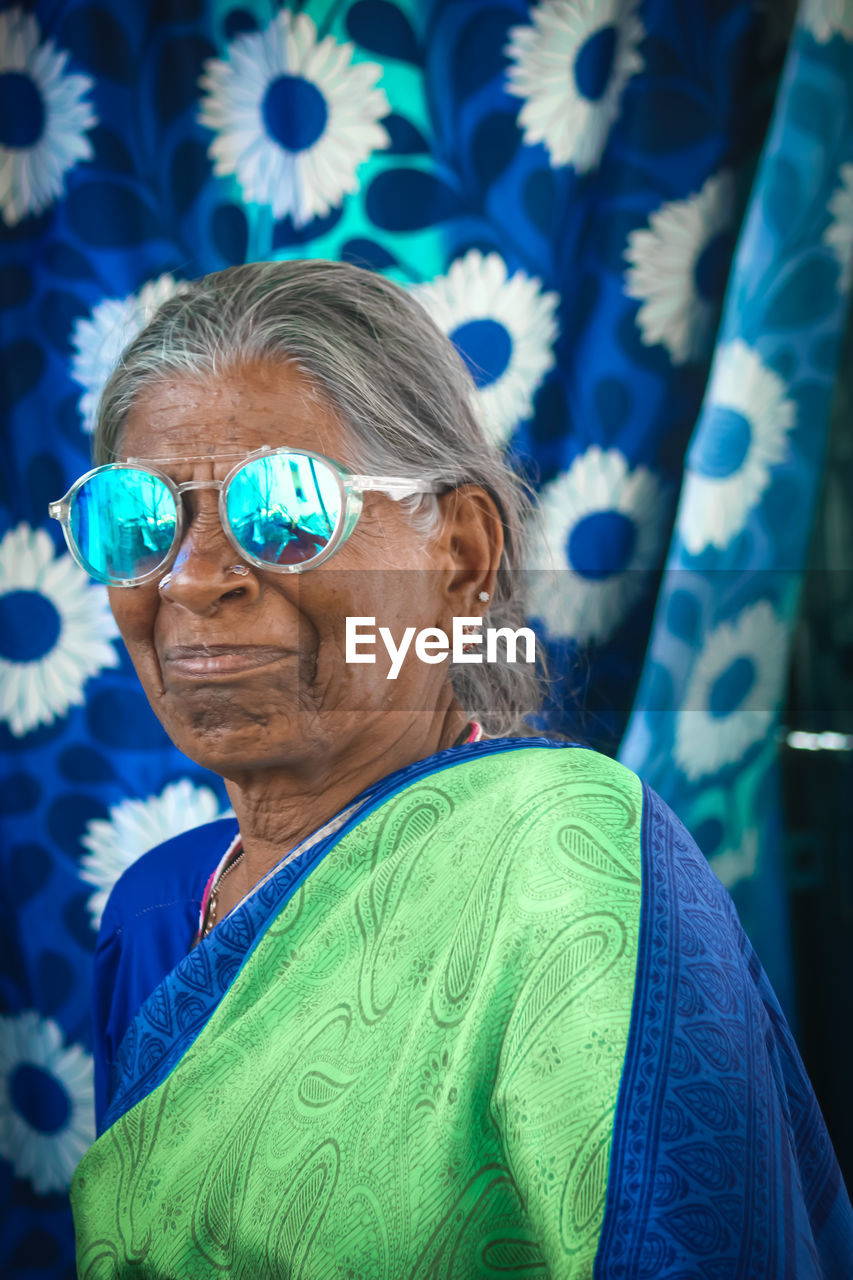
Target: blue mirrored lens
column 284, row 508
column 123, row 523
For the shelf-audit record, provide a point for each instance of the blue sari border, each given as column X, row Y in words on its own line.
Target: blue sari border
column 721, row 1166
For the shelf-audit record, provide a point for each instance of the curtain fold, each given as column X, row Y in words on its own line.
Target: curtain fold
column 703, row 730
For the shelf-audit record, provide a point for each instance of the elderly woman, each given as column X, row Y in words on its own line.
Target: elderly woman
column 444, row 999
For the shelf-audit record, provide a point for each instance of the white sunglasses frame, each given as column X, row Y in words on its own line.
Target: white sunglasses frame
column 352, row 488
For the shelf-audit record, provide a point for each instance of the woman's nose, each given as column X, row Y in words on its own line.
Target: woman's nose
column 207, row 570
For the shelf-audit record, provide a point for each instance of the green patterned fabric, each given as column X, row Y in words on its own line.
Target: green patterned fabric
column 422, row 1044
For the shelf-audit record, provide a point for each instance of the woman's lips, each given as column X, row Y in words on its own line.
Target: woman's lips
column 216, row 659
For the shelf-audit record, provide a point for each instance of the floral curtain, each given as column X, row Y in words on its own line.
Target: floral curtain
column 568, row 186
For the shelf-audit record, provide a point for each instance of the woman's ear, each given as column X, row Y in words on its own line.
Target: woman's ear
column 469, row 545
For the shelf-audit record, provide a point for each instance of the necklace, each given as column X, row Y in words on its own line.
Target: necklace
column 213, row 900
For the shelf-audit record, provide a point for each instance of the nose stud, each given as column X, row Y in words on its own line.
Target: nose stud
column 164, row 581
column 239, row 568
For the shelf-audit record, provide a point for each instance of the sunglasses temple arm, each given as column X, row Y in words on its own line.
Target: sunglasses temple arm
column 394, row 486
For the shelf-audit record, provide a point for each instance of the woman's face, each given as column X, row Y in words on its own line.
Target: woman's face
column 249, row 672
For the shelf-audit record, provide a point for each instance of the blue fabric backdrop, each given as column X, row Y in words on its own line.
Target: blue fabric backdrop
column 565, row 184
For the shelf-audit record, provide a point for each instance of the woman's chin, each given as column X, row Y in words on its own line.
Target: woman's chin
column 237, row 740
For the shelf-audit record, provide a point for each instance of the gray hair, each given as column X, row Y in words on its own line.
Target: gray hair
column 399, row 386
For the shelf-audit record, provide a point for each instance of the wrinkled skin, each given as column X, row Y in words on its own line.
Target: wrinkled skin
column 295, row 730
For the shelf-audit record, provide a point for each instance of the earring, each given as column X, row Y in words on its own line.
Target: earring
column 484, row 596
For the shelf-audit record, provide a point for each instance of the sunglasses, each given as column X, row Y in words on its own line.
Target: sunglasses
column 281, row 509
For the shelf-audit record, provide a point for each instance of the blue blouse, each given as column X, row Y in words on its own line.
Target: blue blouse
column 149, row 925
